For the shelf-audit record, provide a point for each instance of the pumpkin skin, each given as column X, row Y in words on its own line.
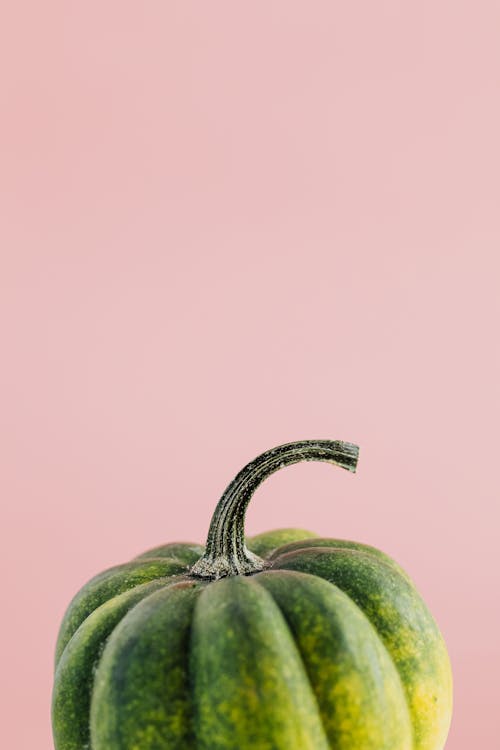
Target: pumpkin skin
column 328, row 646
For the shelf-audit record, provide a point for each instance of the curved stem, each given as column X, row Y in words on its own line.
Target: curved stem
column 226, row 553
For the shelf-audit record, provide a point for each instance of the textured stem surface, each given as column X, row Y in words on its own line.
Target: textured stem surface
column 226, row 553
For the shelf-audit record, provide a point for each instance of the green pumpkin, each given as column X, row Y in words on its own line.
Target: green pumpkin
column 283, row 641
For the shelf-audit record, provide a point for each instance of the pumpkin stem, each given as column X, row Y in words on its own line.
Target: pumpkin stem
column 225, row 552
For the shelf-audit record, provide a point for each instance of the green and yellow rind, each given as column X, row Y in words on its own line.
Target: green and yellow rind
column 264, row 544
column 74, row 679
column 405, row 625
column 250, row 687
column 108, row 584
column 142, row 694
column 356, row 685
column 187, row 552
column 316, row 541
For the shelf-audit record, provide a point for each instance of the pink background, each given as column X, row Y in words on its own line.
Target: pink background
column 225, row 226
